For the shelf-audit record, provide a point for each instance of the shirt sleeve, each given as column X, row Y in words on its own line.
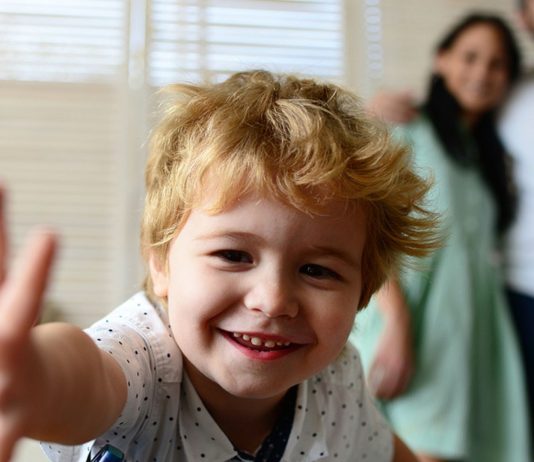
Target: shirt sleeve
column 131, row 351
column 126, row 344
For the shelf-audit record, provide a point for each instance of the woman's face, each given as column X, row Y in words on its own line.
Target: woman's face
column 475, row 69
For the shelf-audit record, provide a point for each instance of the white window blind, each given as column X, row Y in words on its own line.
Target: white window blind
column 209, row 39
column 61, row 41
column 61, row 65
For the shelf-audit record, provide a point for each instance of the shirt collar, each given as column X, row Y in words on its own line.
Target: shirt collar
column 197, row 426
column 308, row 425
column 201, row 436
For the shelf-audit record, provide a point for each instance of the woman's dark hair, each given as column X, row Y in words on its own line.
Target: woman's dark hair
column 443, row 111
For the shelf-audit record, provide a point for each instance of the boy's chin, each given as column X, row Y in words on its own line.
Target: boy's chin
column 261, row 390
column 238, row 386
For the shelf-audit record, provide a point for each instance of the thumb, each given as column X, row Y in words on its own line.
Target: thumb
column 376, row 378
column 408, row 95
column 9, row 435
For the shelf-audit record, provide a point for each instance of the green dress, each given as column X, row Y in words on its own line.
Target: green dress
column 466, row 400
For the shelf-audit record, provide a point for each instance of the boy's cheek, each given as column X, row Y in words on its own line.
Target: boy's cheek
column 337, row 328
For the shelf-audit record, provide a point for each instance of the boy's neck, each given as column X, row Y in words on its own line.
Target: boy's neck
column 245, row 421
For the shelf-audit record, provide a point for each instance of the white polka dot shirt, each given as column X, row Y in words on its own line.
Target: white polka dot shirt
column 164, row 419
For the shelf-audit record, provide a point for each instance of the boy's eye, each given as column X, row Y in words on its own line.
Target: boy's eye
column 319, row 272
column 234, row 256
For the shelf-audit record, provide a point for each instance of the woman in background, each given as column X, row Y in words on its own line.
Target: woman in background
column 440, row 352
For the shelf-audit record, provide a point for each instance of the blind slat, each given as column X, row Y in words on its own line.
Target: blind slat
column 227, row 36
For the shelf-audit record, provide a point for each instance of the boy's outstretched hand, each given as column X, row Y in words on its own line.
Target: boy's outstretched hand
column 21, row 293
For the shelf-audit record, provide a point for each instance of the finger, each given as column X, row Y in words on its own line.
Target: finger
column 400, row 378
column 405, row 380
column 399, row 116
column 376, row 376
column 21, row 294
column 3, row 236
column 402, row 111
column 6, row 449
column 388, row 380
column 407, row 95
column 379, row 382
column 8, row 439
column 410, row 113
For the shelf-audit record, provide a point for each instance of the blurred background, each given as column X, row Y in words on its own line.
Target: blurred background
column 78, row 82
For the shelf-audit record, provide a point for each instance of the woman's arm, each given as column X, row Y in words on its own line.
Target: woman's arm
column 393, row 106
column 393, row 363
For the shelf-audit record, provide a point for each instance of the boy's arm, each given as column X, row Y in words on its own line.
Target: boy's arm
column 55, row 384
column 393, row 364
column 401, row 452
column 81, row 390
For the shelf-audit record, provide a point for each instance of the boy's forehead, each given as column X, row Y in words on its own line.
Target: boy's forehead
column 214, row 203
column 260, row 215
column 214, row 196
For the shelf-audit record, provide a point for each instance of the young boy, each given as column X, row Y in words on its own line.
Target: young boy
column 274, row 209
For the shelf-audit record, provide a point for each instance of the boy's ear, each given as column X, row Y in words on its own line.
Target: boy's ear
column 159, row 275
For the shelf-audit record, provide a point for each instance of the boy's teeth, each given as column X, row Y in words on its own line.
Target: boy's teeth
column 256, row 341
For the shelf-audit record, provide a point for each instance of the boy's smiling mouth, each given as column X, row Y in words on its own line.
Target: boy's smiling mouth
column 260, row 346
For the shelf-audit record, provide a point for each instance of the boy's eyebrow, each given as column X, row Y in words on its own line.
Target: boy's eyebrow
column 229, row 235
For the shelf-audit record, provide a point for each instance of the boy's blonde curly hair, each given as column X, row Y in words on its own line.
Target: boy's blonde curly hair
column 297, row 140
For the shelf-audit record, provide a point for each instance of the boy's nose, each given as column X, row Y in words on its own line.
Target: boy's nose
column 273, row 297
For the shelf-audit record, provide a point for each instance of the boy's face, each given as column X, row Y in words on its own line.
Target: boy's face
column 262, row 296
